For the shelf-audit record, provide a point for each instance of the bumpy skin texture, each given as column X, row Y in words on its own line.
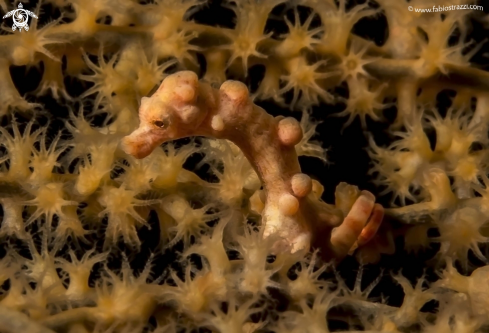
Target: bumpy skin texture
column 183, row 107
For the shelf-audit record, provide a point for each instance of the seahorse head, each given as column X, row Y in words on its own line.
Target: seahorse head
column 172, row 112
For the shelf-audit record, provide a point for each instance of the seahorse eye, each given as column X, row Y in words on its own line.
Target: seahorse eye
column 162, row 123
column 159, row 123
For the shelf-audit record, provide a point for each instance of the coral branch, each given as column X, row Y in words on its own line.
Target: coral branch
column 12, row 321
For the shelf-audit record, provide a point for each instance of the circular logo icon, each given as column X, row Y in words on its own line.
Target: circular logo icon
column 20, row 18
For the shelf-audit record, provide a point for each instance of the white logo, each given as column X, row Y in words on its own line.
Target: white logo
column 20, row 17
